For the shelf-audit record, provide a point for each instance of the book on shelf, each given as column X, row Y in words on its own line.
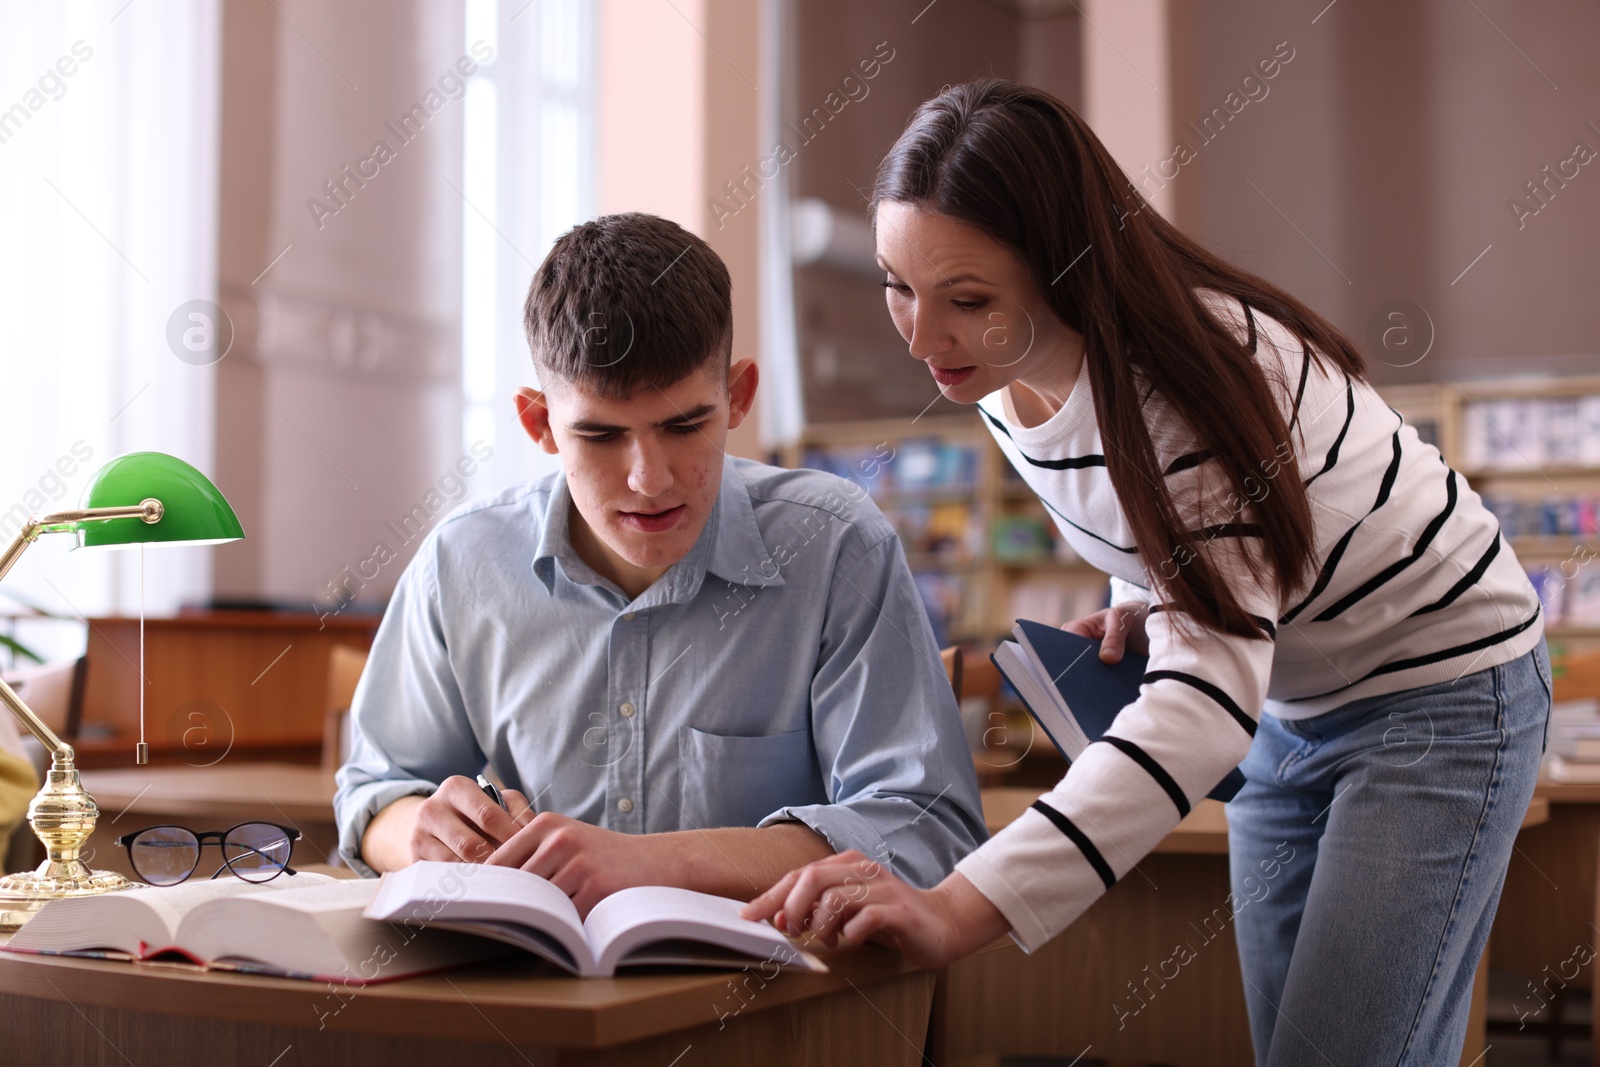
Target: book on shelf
column 1525, row 433
column 297, row 926
column 1570, row 771
column 1071, row 693
column 1575, row 731
column 638, row 926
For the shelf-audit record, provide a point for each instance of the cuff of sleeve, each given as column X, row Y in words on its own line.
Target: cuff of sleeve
column 1026, row 929
column 359, row 809
column 841, row 827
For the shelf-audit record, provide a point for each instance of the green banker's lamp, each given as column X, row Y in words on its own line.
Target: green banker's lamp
column 140, row 498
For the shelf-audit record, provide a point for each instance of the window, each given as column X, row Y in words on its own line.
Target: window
column 108, row 163
column 528, row 177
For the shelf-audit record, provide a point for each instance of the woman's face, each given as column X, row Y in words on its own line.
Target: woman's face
column 967, row 306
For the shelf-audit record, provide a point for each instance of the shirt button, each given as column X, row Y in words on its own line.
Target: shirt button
column 624, row 805
column 628, row 615
column 627, row 713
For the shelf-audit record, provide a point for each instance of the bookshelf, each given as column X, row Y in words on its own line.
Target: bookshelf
column 1531, row 448
column 980, row 545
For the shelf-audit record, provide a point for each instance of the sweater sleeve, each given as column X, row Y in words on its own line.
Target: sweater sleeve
column 1192, row 723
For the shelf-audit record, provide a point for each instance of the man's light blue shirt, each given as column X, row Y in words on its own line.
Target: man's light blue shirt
column 783, row 670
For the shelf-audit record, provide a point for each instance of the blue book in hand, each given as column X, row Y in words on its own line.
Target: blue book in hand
column 1071, row 694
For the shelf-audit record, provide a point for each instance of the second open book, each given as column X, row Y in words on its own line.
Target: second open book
column 635, row 926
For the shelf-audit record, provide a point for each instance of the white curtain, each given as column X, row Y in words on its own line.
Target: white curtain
column 108, row 177
column 528, row 177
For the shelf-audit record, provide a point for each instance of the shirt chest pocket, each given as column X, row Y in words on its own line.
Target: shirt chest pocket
column 738, row 781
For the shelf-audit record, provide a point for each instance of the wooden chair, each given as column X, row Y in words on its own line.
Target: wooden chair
column 981, row 678
column 345, row 664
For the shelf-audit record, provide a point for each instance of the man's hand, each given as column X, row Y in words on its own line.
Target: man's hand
column 459, row 822
column 585, row 862
column 1116, row 628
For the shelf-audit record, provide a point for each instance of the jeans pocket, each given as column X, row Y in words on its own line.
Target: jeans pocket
column 1541, row 667
column 738, row 781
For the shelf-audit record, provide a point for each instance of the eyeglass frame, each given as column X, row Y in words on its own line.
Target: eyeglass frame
column 204, row 837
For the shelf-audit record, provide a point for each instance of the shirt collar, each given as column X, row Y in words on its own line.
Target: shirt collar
column 730, row 546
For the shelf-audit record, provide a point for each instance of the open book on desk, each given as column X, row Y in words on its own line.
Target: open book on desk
column 631, row 927
column 297, row 925
column 1071, row 693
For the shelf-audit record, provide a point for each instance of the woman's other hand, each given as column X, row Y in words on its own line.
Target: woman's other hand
column 1117, row 628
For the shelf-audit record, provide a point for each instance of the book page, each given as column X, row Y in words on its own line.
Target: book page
column 140, row 920
column 638, row 917
column 462, row 893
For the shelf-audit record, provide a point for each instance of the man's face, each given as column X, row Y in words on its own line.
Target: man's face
column 644, row 470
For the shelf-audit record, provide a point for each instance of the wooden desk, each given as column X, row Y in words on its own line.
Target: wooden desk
column 1548, row 910
column 212, row 798
column 1078, row 990
column 871, row 1009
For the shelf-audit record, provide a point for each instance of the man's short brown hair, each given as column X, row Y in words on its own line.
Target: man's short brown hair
column 627, row 302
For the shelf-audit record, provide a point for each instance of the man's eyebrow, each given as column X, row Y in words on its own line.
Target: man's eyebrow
column 694, row 414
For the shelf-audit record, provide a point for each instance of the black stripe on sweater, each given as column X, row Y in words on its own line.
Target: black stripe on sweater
column 1432, row 657
column 1077, row 837
column 1423, row 541
column 1080, row 529
column 1226, row 529
column 1300, row 394
column 1094, row 459
column 1152, row 768
column 1467, row 581
column 1330, row 564
column 1187, row 460
column 1349, row 417
column 1267, row 625
column 1222, row 699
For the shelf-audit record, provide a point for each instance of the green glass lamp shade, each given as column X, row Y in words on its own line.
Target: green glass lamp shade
column 194, row 511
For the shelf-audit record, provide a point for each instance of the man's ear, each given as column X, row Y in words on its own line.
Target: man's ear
column 742, row 379
column 533, row 411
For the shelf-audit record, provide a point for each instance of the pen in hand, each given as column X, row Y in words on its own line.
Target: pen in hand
column 492, row 793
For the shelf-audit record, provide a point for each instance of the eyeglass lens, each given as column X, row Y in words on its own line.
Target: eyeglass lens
column 165, row 855
column 254, row 851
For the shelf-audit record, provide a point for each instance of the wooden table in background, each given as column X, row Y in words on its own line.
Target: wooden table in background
column 870, row 1010
column 212, row 798
column 1063, row 999
column 248, row 683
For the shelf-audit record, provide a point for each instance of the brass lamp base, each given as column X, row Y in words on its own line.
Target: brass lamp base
column 62, row 815
column 22, row 895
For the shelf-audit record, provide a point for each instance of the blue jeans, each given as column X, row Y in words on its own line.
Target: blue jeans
column 1367, row 852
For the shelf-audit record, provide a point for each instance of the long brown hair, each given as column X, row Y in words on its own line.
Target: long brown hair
column 1021, row 166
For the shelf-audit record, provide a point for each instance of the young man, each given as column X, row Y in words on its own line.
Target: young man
column 692, row 670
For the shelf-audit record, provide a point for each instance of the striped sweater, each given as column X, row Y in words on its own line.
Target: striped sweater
column 1412, row 585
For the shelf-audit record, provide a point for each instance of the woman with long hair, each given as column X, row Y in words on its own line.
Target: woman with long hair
column 1320, row 595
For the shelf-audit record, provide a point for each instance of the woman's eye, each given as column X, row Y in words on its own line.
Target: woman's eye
column 969, row 305
column 898, row 287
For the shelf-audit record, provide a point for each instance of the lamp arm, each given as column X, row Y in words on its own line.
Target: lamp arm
column 67, row 522
column 60, row 522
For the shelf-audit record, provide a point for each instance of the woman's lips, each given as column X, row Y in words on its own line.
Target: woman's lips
column 652, row 522
column 954, row 376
